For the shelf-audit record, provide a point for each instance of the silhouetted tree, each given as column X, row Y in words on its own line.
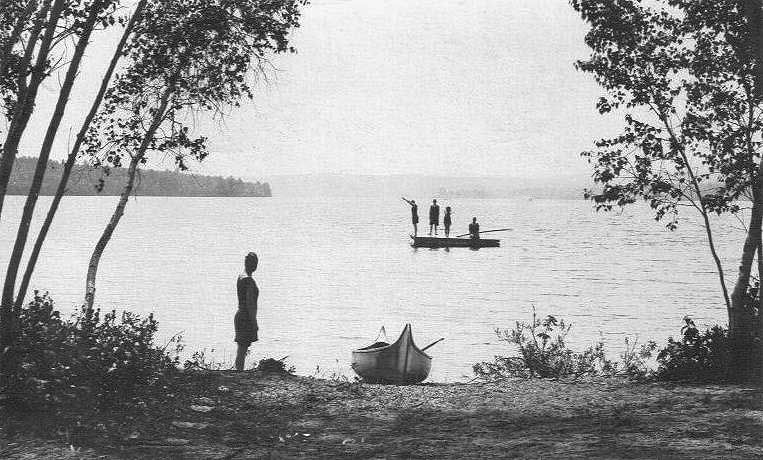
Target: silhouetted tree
column 686, row 76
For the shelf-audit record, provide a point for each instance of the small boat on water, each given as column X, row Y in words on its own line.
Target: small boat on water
column 400, row 363
column 435, row 242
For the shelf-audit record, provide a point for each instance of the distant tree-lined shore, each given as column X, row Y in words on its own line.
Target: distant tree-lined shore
column 87, row 180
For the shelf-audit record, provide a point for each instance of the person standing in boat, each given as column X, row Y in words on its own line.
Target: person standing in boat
column 474, row 229
column 245, row 320
column 447, row 221
column 434, row 217
column 414, row 215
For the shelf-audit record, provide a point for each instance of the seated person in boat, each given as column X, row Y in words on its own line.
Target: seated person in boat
column 474, row 229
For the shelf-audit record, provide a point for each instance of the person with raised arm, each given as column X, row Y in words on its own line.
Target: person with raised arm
column 414, row 215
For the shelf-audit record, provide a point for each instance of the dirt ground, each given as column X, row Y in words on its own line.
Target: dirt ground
column 229, row 415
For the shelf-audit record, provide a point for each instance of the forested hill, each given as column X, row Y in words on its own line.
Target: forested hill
column 86, row 180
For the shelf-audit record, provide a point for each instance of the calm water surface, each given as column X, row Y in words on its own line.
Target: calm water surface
column 332, row 271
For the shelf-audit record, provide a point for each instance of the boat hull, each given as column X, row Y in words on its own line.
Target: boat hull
column 401, row 363
column 435, row 242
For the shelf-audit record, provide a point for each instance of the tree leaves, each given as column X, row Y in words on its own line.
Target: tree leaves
column 202, row 54
column 682, row 73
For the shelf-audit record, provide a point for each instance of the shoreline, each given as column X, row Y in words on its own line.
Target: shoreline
column 251, row 414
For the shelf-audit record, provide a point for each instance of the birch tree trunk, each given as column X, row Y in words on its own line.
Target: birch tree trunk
column 103, row 241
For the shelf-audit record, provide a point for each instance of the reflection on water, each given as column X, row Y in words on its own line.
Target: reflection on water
column 333, row 271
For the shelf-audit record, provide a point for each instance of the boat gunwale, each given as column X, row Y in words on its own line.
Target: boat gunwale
column 396, row 342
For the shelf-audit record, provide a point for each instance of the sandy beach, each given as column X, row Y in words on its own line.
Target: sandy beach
column 251, row 414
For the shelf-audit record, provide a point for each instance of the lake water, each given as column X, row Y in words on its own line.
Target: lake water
column 332, row 271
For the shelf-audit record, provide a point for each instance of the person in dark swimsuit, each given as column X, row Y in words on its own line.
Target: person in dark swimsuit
column 474, row 229
column 414, row 215
column 245, row 320
column 447, row 221
column 434, row 217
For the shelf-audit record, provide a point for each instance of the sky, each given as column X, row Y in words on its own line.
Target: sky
column 435, row 87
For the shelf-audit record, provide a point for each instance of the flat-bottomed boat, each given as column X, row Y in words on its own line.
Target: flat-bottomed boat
column 435, row 242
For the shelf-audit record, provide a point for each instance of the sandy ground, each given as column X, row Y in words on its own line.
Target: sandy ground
column 228, row 415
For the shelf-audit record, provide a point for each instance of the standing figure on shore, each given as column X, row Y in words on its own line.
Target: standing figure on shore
column 447, row 221
column 474, row 229
column 434, row 217
column 414, row 215
column 245, row 320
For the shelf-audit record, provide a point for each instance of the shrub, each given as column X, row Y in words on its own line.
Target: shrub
column 102, row 359
column 698, row 356
column 543, row 353
column 200, row 361
column 634, row 359
column 275, row 366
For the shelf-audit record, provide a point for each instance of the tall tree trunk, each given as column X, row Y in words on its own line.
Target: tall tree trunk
column 42, row 161
column 95, row 258
column 753, row 12
column 10, row 148
column 25, row 107
column 740, row 320
column 72, row 157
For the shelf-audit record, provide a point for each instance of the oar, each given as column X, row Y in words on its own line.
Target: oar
column 433, row 343
column 488, row 231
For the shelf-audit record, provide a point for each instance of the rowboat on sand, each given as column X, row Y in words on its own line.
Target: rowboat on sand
column 435, row 242
column 401, row 363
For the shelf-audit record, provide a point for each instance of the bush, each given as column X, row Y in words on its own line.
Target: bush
column 200, row 361
column 275, row 366
column 543, row 353
column 709, row 356
column 101, row 359
column 697, row 356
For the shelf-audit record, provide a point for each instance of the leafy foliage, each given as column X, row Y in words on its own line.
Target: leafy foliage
column 697, row 356
column 104, row 358
column 686, row 77
column 683, row 74
column 543, row 353
column 187, row 56
column 21, row 24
